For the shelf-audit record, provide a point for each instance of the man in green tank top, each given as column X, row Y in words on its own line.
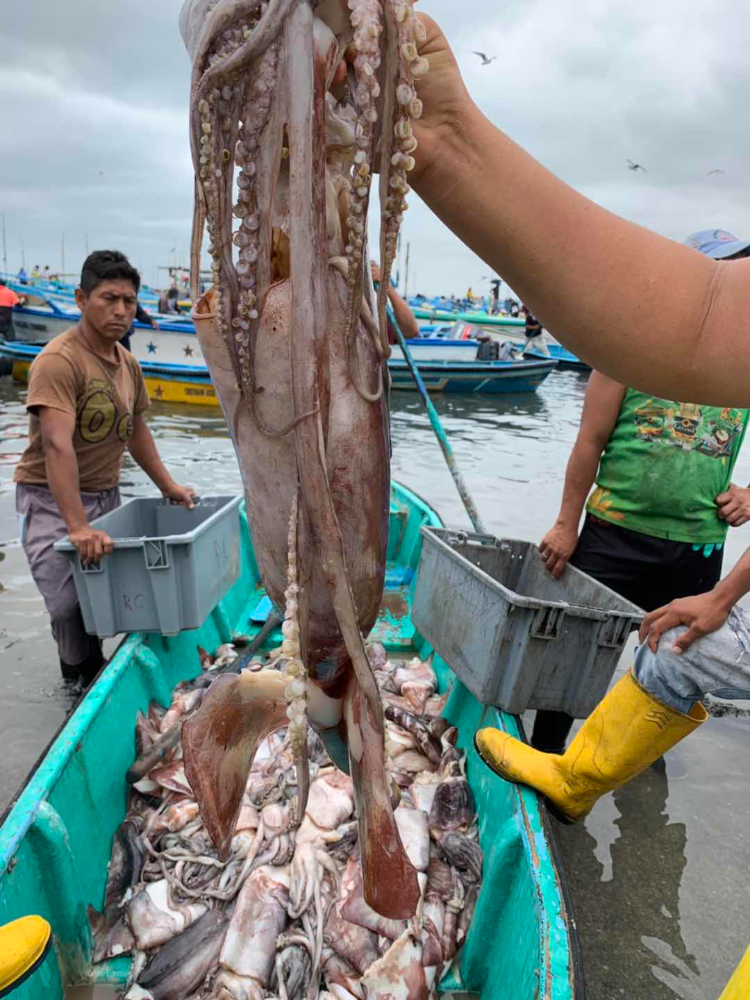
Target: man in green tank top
column 663, row 500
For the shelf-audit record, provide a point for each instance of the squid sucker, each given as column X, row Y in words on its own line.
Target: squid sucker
column 295, row 106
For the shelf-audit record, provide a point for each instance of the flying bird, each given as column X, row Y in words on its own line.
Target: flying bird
column 716, row 170
column 486, row 60
column 636, row 166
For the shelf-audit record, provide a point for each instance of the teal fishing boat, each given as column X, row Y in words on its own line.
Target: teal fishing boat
column 55, row 840
column 483, row 319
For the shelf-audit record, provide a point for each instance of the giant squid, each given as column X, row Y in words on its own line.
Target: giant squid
column 295, row 106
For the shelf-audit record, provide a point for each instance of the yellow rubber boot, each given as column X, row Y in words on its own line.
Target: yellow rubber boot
column 628, row 730
column 738, row 987
column 24, row 944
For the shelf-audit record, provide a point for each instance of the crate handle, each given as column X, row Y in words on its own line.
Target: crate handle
column 473, row 538
column 169, row 502
column 614, row 632
column 546, row 622
column 156, row 553
column 91, row 567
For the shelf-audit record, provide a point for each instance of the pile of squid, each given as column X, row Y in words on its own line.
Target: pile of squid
column 284, row 916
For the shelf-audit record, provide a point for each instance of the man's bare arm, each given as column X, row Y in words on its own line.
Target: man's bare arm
column 62, row 476
column 405, row 318
column 703, row 614
column 601, row 408
column 645, row 310
column 407, row 321
column 143, row 449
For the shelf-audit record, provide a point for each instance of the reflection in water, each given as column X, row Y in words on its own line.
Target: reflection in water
column 639, row 906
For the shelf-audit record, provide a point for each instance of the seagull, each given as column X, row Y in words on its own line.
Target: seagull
column 636, row 166
column 717, row 170
column 486, row 60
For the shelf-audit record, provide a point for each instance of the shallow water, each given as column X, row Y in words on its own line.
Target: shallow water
column 658, row 873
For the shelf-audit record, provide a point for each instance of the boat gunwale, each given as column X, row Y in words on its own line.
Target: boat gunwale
column 50, row 765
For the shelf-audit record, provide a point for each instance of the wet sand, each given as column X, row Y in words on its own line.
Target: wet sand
column 658, row 873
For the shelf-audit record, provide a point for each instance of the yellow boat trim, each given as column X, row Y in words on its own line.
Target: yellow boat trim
column 21, row 371
column 166, row 390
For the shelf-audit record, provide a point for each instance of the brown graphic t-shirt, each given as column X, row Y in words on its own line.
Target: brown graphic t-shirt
column 103, row 395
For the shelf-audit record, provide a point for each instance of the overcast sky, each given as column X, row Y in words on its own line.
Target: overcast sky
column 93, row 119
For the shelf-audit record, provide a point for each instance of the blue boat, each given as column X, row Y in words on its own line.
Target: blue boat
column 35, row 326
column 62, row 292
column 472, row 377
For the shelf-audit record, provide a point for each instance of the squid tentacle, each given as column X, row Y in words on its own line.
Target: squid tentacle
column 297, row 689
column 221, row 17
column 402, row 34
column 261, row 37
column 365, row 19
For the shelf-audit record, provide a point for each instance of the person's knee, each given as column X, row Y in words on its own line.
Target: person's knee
column 663, row 673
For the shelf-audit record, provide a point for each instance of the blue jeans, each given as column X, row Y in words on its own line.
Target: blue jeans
column 717, row 664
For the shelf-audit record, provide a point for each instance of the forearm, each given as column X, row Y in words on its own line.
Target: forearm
column 63, row 480
column 579, row 478
column 404, row 316
column 143, row 449
column 636, row 306
column 735, row 584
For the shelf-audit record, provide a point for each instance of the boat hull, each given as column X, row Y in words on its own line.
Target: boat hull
column 470, row 378
column 55, row 841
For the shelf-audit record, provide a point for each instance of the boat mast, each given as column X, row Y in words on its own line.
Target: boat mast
column 406, row 271
column 5, row 248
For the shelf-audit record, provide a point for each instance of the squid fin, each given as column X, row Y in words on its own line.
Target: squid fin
column 220, row 740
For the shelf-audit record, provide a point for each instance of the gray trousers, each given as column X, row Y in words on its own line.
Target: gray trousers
column 717, row 664
column 41, row 526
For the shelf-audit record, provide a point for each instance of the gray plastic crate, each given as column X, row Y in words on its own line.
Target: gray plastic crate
column 517, row 638
column 169, row 568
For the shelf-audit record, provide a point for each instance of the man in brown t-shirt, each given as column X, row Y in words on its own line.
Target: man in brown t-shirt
column 86, row 402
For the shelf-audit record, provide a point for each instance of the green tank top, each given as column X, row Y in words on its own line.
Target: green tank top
column 664, row 465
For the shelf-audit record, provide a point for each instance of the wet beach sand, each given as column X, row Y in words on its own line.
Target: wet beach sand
column 658, row 873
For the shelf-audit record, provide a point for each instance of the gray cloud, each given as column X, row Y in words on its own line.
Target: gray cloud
column 94, row 120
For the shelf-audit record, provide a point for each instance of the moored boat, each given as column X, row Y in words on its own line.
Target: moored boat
column 473, row 377
column 62, row 292
column 55, row 841
column 485, row 320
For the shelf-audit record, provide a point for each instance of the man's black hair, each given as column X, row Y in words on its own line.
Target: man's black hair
column 107, row 265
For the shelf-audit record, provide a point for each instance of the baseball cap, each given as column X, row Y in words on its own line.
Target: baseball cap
column 716, row 243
